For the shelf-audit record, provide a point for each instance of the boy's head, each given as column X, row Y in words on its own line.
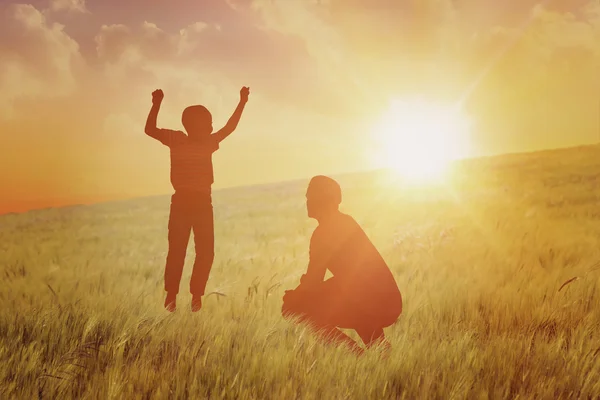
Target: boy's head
column 323, row 197
column 197, row 120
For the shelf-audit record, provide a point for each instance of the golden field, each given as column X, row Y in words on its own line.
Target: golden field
column 482, row 263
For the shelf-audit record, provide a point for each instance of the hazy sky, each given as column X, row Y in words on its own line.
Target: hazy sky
column 76, row 78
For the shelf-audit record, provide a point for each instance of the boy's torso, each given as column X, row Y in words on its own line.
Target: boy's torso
column 191, row 163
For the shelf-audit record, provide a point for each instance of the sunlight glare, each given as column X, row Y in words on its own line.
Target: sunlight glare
column 418, row 139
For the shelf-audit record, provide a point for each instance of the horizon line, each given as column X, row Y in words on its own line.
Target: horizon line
column 292, row 180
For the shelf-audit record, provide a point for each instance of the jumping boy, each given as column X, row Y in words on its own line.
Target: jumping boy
column 191, row 204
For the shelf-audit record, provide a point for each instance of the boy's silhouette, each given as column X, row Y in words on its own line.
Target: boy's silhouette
column 362, row 294
column 191, row 204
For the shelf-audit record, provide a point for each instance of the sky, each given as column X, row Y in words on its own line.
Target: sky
column 76, row 78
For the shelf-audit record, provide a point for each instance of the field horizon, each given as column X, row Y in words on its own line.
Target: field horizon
column 498, row 268
column 342, row 175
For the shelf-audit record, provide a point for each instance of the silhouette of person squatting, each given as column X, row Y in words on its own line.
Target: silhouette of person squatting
column 362, row 294
column 191, row 203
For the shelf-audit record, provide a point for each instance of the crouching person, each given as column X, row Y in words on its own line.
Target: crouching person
column 362, row 294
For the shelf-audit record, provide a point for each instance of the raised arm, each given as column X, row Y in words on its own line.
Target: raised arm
column 162, row 135
column 233, row 121
column 151, row 129
column 315, row 274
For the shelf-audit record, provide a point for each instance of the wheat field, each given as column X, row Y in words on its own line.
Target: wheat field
column 498, row 270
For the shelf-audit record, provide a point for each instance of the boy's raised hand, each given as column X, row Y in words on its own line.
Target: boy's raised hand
column 157, row 96
column 244, row 92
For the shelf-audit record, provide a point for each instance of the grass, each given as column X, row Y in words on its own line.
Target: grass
column 486, row 267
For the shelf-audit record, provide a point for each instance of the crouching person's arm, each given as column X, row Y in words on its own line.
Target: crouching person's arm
column 295, row 301
column 315, row 273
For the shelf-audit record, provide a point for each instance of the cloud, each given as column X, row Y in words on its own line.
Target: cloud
column 552, row 40
column 234, row 52
column 539, row 80
column 370, row 49
column 127, row 55
column 151, row 42
column 39, row 60
column 69, row 5
column 146, row 57
column 520, row 66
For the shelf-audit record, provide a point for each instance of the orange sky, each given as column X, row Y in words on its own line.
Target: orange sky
column 76, row 78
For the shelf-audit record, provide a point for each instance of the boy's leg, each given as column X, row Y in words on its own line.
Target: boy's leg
column 204, row 240
column 179, row 235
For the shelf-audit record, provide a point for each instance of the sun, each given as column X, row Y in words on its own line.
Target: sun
column 418, row 139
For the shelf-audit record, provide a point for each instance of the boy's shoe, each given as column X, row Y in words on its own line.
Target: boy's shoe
column 196, row 303
column 170, row 302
